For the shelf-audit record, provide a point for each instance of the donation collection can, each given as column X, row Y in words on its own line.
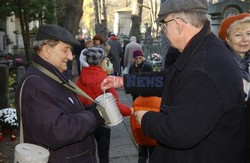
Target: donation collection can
column 109, row 109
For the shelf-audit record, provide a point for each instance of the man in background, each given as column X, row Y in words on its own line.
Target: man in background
column 128, row 54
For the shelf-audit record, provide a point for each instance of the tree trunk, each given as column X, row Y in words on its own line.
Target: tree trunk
column 73, row 15
column 25, row 30
column 4, row 82
column 136, row 19
column 153, row 16
column 104, row 31
column 97, row 19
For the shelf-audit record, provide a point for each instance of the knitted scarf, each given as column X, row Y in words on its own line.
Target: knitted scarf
column 243, row 63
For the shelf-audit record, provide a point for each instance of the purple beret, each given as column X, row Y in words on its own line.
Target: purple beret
column 137, row 53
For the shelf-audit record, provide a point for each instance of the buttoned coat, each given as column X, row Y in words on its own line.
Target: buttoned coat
column 53, row 117
column 202, row 118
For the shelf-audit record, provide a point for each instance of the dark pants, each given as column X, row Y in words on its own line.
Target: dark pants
column 248, row 131
column 116, row 73
column 102, row 137
column 145, row 153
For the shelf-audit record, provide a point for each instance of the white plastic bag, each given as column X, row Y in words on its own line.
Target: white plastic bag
column 125, row 71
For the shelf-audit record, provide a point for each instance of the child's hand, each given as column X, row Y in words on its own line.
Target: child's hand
column 132, row 110
column 112, row 82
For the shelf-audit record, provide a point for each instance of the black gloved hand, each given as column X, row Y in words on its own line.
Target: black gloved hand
column 99, row 120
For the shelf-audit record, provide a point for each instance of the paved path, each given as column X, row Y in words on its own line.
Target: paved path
column 123, row 148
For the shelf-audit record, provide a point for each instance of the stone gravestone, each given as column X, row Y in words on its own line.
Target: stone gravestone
column 4, row 77
column 224, row 8
column 20, row 72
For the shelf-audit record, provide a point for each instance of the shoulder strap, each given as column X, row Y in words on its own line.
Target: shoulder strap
column 71, row 85
column 20, row 107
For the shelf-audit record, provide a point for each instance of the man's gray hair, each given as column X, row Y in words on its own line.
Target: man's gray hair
column 196, row 19
column 133, row 39
column 37, row 45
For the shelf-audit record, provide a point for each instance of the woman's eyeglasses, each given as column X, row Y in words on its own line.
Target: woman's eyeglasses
column 136, row 58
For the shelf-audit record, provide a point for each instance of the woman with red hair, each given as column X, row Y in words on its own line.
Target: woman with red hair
column 235, row 32
column 99, row 42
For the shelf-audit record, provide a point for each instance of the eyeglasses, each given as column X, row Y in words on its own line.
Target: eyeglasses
column 164, row 24
column 138, row 58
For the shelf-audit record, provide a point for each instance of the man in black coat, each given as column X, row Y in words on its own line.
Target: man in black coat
column 52, row 115
column 202, row 117
column 171, row 57
column 77, row 52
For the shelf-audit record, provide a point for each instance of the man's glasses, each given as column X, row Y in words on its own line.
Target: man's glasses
column 164, row 24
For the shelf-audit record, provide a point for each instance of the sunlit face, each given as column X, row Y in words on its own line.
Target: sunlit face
column 59, row 55
column 239, row 38
column 97, row 42
column 107, row 66
column 169, row 28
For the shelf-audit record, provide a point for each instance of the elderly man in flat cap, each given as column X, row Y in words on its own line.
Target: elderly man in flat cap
column 202, row 118
column 51, row 114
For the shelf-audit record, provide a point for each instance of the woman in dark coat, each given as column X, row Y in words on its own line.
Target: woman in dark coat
column 141, row 65
column 234, row 32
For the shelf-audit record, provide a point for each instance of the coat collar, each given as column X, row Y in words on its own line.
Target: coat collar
column 37, row 59
column 192, row 46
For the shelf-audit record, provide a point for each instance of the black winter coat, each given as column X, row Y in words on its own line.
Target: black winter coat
column 54, row 118
column 202, row 118
column 142, row 67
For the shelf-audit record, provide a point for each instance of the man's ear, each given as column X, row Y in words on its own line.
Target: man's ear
column 179, row 24
column 45, row 51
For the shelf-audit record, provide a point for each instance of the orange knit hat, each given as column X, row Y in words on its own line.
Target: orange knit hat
column 227, row 22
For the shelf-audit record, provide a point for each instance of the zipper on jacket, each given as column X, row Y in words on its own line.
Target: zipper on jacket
column 80, row 154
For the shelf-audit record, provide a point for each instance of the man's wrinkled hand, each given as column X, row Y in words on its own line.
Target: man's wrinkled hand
column 112, row 82
column 139, row 114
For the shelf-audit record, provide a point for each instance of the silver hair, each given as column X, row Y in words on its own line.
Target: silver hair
column 38, row 44
column 196, row 19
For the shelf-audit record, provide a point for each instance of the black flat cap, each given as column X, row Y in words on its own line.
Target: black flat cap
column 55, row 32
